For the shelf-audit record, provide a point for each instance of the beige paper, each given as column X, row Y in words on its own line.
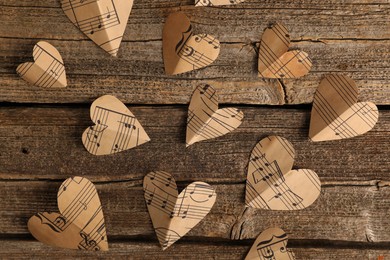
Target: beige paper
column 336, row 113
column 182, row 50
column 216, row 2
column 80, row 221
column 103, row 21
column 116, row 129
column 205, row 120
column 271, row 244
column 174, row 215
column 275, row 61
column 47, row 70
column 271, row 184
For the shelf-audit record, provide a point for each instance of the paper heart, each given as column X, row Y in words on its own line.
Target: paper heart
column 47, row 70
column 174, row 215
column 271, row 244
column 205, row 120
column 103, row 21
column 271, row 184
column 275, row 60
column 336, row 113
column 184, row 51
column 116, row 129
column 217, row 2
column 80, row 221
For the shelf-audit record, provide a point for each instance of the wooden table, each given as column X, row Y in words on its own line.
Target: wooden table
column 40, row 129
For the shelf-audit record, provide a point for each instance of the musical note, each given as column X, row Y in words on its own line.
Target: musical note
column 216, row 2
column 103, row 21
column 205, row 120
column 173, row 214
column 336, row 113
column 116, row 129
column 271, row 184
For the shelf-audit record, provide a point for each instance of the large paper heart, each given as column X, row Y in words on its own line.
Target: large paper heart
column 336, row 113
column 271, row 184
column 275, row 60
column 116, row 129
column 205, row 120
column 217, row 2
column 173, row 214
column 103, row 21
column 47, row 70
column 184, row 51
column 80, row 221
column 271, row 244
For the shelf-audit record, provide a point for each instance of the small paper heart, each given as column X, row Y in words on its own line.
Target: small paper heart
column 80, row 221
column 336, row 113
column 275, row 60
column 271, row 184
column 217, row 2
column 116, row 129
column 47, row 70
column 174, row 215
column 271, row 244
column 205, row 120
column 184, row 51
column 103, row 21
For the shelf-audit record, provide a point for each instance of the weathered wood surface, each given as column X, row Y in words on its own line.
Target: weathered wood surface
column 351, row 37
column 40, row 144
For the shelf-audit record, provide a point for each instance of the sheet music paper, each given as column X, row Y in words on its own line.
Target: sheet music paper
column 336, row 113
column 275, row 60
column 116, row 129
column 47, row 70
column 103, row 21
column 173, row 215
column 205, row 120
column 216, row 2
column 272, row 185
column 271, row 244
column 182, row 50
column 80, row 221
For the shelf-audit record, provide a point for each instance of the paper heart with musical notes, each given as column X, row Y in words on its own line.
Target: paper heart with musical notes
column 116, row 129
column 182, row 50
column 173, row 215
column 272, row 184
column 336, row 114
column 205, row 120
column 47, row 70
column 271, row 244
column 103, row 21
column 275, row 59
column 216, row 2
column 80, row 221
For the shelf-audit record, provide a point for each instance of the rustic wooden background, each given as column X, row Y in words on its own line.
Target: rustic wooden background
column 40, row 129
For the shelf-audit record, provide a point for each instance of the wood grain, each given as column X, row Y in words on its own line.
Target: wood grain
column 358, row 48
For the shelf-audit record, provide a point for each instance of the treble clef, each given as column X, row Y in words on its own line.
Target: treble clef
column 89, row 243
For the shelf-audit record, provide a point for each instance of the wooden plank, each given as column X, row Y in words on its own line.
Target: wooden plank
column 343, row 212
column 45, row 142
column 180, row 250
column 359, row 48
column 142, row 250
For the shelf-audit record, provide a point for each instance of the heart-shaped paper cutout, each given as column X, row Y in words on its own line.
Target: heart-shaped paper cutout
column 336, row 113
column 116, row 129
column 217, row 2
column 205, row 120
column 275, row 60
column 271, row 184
column 47, row 70
column 80, row 221
column 103, row 21
column 174, row 215
column 271, row 244
column 184, row 51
